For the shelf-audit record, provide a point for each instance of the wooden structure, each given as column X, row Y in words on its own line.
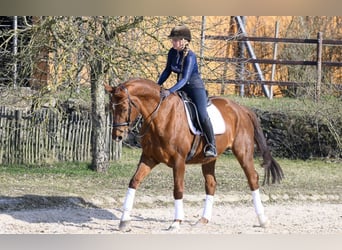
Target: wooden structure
column 46, row 136
column 242, row 38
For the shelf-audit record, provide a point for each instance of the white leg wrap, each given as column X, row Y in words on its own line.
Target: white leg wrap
column 179, row 210
column 208, row 207
column 259, row 208
column 128, row 204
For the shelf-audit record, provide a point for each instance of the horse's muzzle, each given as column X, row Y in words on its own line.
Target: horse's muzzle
column 117, row 138
column 119, row 135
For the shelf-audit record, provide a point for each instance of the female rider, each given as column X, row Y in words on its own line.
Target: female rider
column 182, row 61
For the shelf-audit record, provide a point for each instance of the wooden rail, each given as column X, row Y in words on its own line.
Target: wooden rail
column 241, row 38
column 270, row 61
column 272, row 39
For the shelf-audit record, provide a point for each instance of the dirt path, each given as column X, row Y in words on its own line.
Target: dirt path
column 286, row 218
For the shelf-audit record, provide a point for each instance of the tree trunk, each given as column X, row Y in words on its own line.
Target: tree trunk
column 99, row 148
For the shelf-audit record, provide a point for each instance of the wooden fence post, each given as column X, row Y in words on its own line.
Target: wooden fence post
column 253, row 56
column 275, row 51
column 319, row 66
column 17, row 137
column 241, row 54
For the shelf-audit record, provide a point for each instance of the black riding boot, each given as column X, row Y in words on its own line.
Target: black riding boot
column 210, row 148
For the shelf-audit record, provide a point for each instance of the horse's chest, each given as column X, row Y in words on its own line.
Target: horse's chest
column 157, row 147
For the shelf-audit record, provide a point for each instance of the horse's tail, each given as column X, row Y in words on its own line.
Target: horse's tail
column 271, row 166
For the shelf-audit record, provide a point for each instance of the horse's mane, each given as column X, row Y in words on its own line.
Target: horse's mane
column 140, row 80
column 146, row 84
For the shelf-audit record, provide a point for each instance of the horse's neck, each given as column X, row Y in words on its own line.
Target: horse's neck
column 150, row 107
column 146, row 97
column 153, row 109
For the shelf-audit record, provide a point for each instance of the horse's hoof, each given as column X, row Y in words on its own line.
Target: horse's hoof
column 174, row 226
column 264, row 221
column 201, row 223
column 124, row 226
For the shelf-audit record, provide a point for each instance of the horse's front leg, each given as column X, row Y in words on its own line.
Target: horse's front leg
column 178, row 177
column 144, row 168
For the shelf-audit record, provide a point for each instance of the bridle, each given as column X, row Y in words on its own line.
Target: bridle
column 127, row 123
column 136, row 122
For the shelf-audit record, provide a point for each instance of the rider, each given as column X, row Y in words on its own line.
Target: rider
column 182, row 61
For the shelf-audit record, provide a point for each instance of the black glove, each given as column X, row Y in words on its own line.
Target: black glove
column 164, row 93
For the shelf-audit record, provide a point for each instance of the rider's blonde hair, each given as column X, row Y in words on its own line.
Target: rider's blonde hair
column 186, row 48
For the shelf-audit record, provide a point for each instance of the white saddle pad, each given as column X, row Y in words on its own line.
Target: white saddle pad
column 216, row 119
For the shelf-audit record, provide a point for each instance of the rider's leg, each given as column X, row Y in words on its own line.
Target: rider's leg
column 199, row 97
column 210, row 148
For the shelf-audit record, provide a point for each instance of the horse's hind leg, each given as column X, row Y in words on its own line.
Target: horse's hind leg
column 244, row 153
column 142, row 171
column 208, row 171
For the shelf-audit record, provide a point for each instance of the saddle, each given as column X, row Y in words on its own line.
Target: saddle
column 191, row 111
column 193, row 119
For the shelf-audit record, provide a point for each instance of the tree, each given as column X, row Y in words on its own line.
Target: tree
column 98, row 71
column 97, row 47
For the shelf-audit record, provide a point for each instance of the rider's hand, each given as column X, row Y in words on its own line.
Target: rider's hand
column 164, row 93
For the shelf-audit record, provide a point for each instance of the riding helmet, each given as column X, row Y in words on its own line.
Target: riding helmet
column 180, row 32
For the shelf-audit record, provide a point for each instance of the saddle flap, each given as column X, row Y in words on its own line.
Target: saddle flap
column 193, row 120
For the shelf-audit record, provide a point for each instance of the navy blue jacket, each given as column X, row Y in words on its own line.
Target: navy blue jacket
column 190, row 76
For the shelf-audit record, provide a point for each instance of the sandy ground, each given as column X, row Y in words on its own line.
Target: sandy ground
column 292, row 217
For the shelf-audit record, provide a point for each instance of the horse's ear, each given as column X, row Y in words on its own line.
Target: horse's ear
column 108, row 88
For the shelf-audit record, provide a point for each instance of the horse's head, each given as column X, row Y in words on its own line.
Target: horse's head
column 124, row 111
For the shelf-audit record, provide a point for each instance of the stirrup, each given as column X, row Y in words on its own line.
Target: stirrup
column 210, row 151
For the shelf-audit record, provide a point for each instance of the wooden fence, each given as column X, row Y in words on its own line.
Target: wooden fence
column 46, row 136
column 255, row 61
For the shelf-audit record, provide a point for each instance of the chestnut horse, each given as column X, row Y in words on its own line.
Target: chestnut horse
column 166, row 138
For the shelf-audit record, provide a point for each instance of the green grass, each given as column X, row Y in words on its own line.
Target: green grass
column 306, row 178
